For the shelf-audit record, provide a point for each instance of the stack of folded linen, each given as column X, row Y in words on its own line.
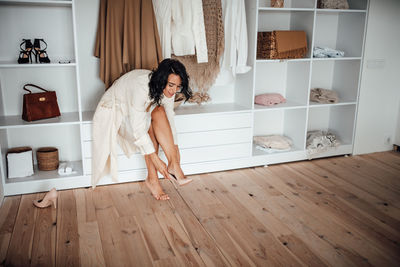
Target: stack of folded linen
column 323, row 96
column 320, row 141
column 323, row 52
column 273, row 143
column 269, row 99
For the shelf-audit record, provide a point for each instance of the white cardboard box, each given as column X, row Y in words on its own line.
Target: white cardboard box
column 20, row 162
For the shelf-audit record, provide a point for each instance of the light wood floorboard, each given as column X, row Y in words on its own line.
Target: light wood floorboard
column 339, row 211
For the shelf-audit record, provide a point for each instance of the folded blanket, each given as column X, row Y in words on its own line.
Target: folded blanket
column 269, row 99
column 323, row 96
column 323, row 52
column 273, row 141
column 320, row 141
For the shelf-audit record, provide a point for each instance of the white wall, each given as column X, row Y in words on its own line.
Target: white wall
column 379, row 102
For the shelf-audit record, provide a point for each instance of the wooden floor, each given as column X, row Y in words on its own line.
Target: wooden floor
column 342, row 211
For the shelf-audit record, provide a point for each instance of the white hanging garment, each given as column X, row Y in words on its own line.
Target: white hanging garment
column 181, row 28
column 234, row 59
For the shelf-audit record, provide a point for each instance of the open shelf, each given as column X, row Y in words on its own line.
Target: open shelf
column 14, row 64
column 37, row 2
column 18, row 122
column 340, row 76
column 290, row 79
column 342, row 31
column 288, row 5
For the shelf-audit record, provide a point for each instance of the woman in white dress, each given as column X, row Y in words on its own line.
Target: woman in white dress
column 137, row 112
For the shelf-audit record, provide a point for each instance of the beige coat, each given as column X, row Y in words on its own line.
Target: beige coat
column 121, row 117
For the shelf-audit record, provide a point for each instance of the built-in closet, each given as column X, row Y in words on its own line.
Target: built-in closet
column 213, row 136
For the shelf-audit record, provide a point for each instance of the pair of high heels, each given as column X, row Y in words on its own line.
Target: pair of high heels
column 179, row 182
column 25, row 55
column 49, row 199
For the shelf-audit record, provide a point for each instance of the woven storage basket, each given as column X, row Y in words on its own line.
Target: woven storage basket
column 266, row 48
column 268, row 43
column 47, row 158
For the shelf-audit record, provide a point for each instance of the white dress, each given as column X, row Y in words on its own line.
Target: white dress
column 122, row 117
column 181, row 28
column 234, row 59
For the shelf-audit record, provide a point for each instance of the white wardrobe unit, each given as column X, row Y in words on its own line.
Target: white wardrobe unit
column 212, row 137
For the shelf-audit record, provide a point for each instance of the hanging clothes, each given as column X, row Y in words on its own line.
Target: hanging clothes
column 127, row 38
column 234, row 59
column 203, row 75
column 181, row 28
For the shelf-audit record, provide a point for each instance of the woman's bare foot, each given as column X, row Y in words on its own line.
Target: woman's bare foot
column 156, row 189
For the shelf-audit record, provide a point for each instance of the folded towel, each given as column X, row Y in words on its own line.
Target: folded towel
column 273, row 141
column 324, row 96
column 323, row 52
column 271, row 150
column 269, row 99
column 291, row 44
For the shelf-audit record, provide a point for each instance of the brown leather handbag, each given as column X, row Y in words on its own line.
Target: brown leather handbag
column 37, row 106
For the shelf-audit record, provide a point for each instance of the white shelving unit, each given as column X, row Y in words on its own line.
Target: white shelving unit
column 212, row 137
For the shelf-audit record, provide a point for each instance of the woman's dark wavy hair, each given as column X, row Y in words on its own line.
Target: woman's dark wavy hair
column 159, row 79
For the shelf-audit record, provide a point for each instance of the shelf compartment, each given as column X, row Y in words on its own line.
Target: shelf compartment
column 290, row 79
column 342, row 31
column 341, row 76
column 18, row 122
column 61, row 80
column 290, row 123
column 354, row 5
column 338, row 120
column 53, row 23
column 36, row 2
column 288, row 4
column 14, row 64
column 269, row 21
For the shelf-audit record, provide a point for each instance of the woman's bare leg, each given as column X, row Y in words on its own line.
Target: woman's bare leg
column 152, row 181
column 163, row 133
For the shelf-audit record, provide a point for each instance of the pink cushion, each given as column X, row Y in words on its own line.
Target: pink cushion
column 269, row 99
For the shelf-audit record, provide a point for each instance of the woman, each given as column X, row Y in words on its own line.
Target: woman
column 137, row 112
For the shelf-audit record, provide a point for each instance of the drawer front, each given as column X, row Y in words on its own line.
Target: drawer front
column 198, row 139
column 211, row 122
column 190, row 155
column 198, row 123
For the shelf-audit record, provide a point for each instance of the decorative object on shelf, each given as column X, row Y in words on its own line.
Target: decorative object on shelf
column 324, row 52
column 281, row 44
column 37, row 106
column 179, row 98
column 273, row 143
column 47, row 158
column 19, row 162
column 277, row 3
column 269, row 99
column 25, row 55
column 49, row 199
column 323, row 96
column 333, row 4
column 40, row 52
column 320, row 141
column 66, row 168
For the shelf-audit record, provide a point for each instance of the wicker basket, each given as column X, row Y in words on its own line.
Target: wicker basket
column 268, row 43
column 277, row 3
column 47, row 158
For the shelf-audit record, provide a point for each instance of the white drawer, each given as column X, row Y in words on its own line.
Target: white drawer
column 210, row 122
column 197, row 123
column 197, row 139
column 190, row 155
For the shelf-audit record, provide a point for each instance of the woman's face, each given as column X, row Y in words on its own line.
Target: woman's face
column 173, row 85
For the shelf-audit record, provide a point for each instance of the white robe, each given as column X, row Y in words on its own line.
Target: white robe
column 121, row 117
column 234, row 59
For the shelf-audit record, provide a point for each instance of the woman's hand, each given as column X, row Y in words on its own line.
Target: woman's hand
column 178, row 155
column 160, row 165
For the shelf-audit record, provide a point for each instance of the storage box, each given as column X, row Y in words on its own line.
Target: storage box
column 19, row 162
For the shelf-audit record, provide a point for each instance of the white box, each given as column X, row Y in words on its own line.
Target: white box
column 20, row 162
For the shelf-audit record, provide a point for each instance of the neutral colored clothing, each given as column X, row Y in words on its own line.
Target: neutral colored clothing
column 278, row 142
column 127, row 38
column 323, row 52
column 320, row 141
column 269, row 99
column 324, row 96
column 202, row 76
column 234, row 59
column 123, row 115
column 181, row 27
